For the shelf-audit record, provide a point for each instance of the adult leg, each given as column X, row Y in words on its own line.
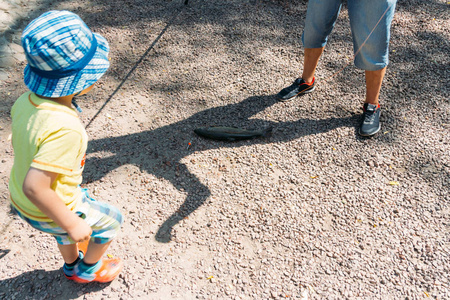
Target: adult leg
column 310, row 61
column 321, row 16
column 376, row 57
column 370, row 22
column 373, row 85
column 370, row 123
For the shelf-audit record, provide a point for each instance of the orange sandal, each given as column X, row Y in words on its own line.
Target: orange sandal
column 108, row 271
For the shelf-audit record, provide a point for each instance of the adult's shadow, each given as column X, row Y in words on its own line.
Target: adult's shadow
column 160, row 151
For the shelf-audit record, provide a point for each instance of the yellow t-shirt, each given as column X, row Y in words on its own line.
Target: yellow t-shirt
column 47, row 136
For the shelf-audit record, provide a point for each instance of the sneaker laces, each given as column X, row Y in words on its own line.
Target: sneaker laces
column 369, row 115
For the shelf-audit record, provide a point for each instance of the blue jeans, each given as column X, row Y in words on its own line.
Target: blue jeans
column 364, row 16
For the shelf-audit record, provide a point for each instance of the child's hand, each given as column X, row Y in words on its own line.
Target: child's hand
column 79, row 231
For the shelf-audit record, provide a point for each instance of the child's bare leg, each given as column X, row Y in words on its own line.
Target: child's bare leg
column 69, row 252
column 95, row 252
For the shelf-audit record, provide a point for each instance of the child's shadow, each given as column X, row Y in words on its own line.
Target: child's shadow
column 42, row 284
column 160, row 151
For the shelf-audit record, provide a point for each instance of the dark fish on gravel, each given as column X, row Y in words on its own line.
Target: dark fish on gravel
column 231, row 133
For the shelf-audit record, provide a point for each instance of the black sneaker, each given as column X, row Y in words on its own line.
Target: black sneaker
column 371, row 120
column 299, row 87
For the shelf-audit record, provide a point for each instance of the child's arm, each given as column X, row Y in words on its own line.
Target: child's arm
column 37, row 187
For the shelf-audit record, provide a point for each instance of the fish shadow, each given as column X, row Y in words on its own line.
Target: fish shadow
column 160, row 151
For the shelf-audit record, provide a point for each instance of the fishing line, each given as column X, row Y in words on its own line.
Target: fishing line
column 362, row 45
column 137, row 63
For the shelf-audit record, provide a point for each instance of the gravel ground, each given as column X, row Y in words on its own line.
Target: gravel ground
column 312, row 212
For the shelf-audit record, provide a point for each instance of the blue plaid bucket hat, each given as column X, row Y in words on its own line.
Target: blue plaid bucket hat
column 64, row 56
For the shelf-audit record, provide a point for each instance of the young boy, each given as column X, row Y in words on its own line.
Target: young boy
column 65, row 59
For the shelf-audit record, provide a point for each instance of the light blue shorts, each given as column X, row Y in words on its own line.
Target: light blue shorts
column 364, row 15
column 104, row 219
